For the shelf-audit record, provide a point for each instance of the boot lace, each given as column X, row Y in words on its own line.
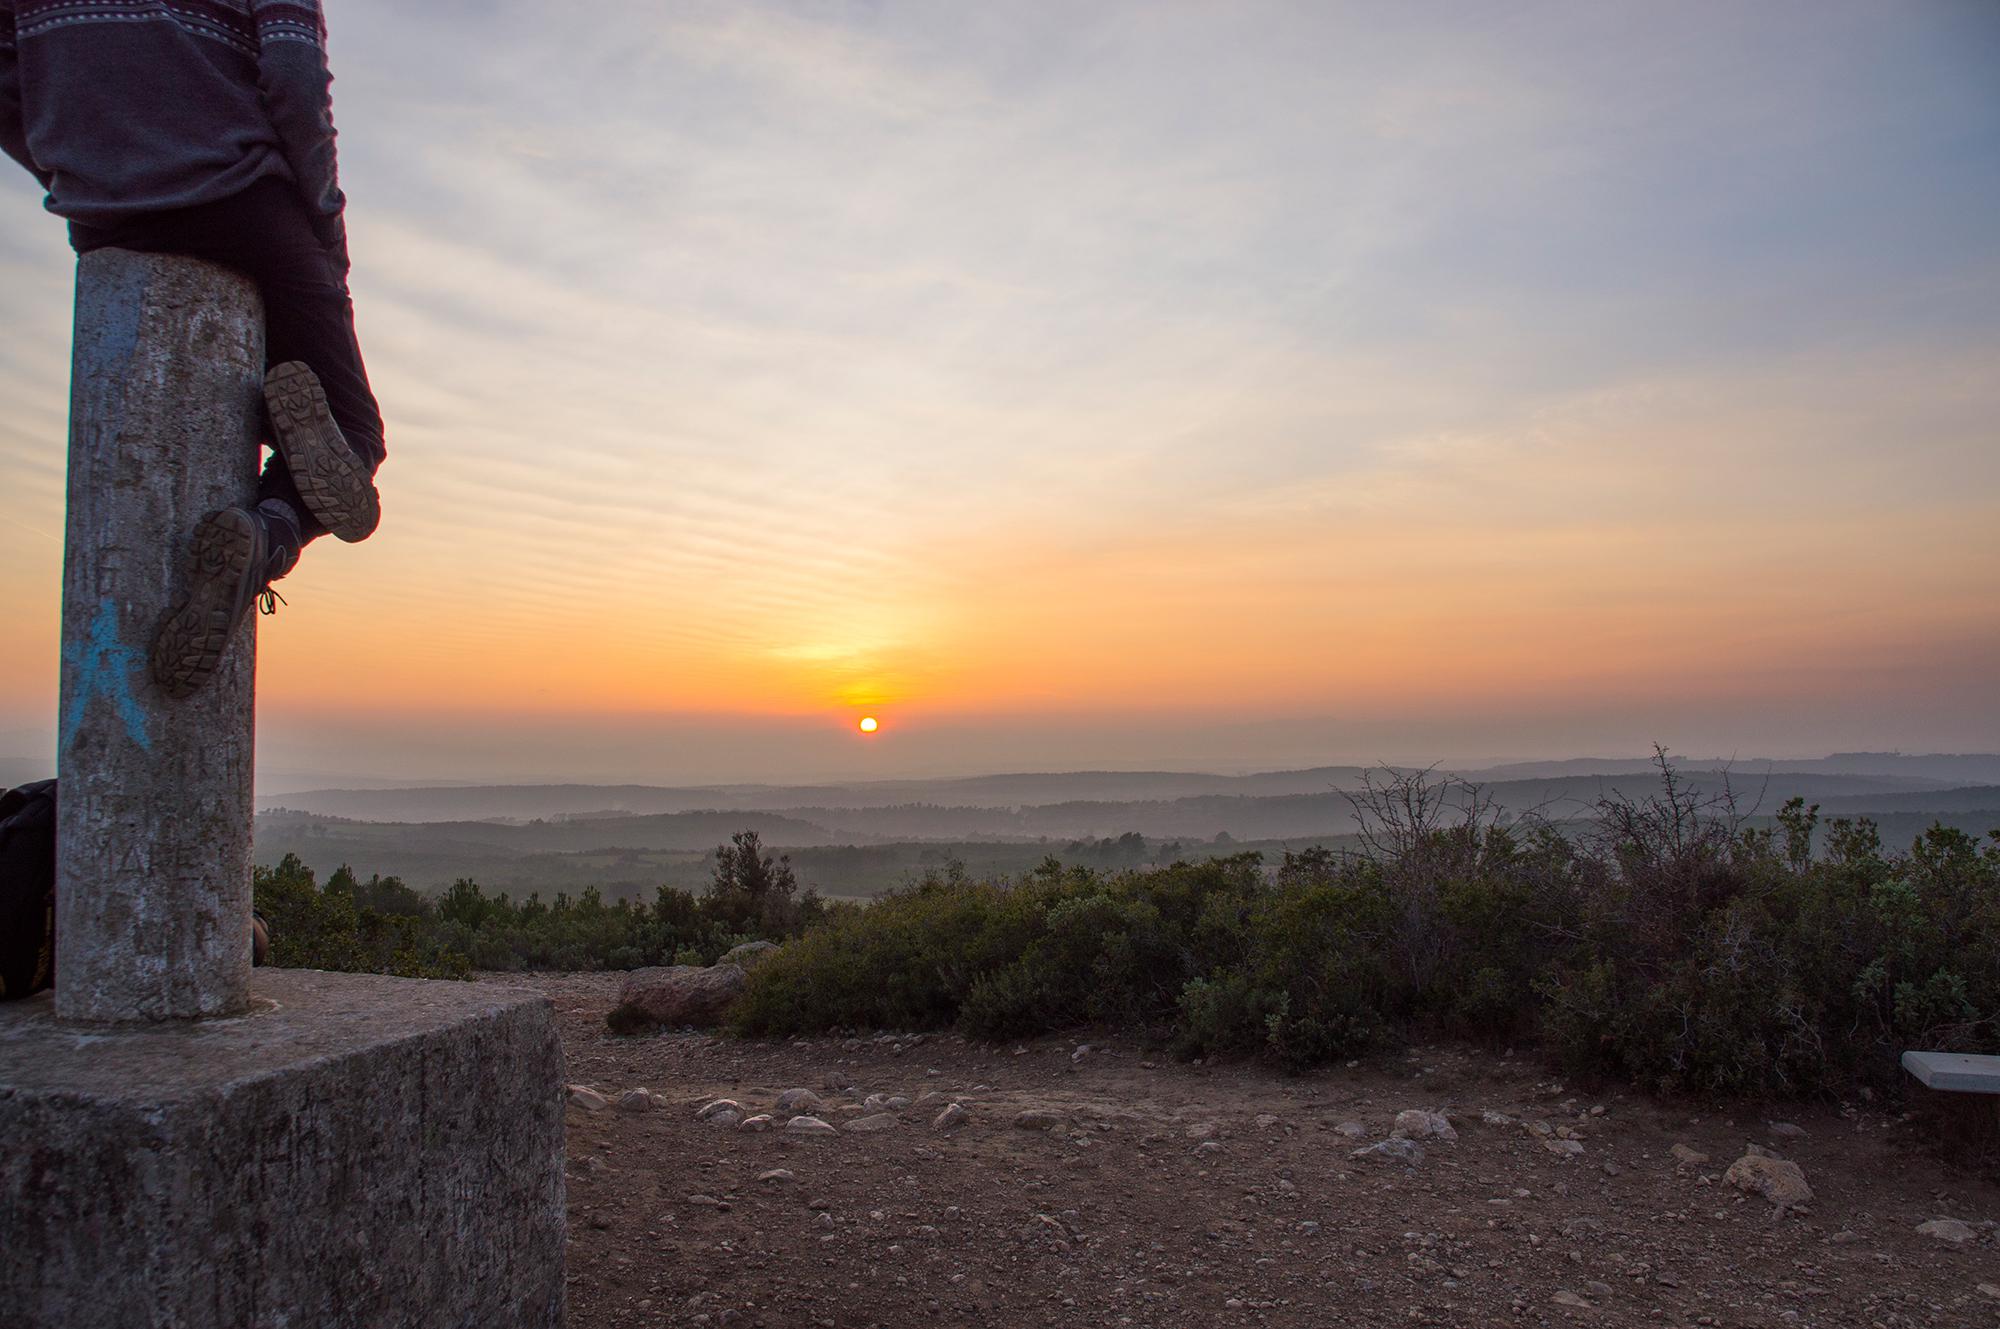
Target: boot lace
column 268, row 600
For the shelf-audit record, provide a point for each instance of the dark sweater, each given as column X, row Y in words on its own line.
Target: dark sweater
column 123, row 107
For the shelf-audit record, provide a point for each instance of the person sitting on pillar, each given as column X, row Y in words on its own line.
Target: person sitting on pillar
column 207, row 130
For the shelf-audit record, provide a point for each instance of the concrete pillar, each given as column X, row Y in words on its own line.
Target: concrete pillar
column 358, row 1152
column 338, row 1150
column 153, row 833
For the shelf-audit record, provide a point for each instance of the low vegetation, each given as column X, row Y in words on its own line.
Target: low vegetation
column 382, row 926
column 1674, row 944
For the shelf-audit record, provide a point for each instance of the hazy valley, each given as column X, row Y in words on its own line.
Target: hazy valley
column 858, row 839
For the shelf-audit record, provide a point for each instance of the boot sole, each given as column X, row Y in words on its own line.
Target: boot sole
column 331, row 479
column 189, row 645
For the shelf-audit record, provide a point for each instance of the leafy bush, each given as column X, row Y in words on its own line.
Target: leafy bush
column 385, row 927
column 349, row 925
column 1672, row 944
column 1748, row 965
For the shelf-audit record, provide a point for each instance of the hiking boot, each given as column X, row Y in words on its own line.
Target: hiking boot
column 334, row 482
column 237, row 554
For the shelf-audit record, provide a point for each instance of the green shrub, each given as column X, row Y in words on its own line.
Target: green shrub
column 383, row 926
column 1673, row 945
column 1670, row 943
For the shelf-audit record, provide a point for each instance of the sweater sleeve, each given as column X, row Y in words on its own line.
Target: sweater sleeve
column 297, row 87
column 13, row 119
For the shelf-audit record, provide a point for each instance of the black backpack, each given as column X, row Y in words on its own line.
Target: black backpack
column 27, row 889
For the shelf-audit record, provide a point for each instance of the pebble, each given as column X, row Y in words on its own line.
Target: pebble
column 1778, row 1181
column 808, row 1126
column 1785, row 1130
column 875, row 1121
column 583, row 1096
column 761, row 1122
column 799, row 1100
column 884, row 1103
column 717, row 1107
column 1353, row 1130
column 1684, row 1156
column 1417, row 1124
column 777, row 1174
column 636, row 1100
column 1042, row 1227
column 950, row 1119
column 1392, row 1150
column 1039, row 1119
column 1952, row 1230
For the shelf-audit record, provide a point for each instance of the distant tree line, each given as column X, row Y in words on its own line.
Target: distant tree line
column 383, row 926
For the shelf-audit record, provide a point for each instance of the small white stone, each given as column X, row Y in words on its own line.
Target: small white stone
column 1953, row 1230
column 808, row 1126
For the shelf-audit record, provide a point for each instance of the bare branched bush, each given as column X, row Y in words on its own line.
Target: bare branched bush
column 1464, row 881
column 1675, row 848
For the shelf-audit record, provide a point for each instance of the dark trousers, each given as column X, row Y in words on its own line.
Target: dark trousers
column 265, row 233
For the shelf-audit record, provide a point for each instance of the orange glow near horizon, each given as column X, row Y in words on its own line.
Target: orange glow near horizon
column 1440, row 389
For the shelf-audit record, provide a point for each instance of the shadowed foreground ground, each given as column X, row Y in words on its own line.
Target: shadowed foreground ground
column 1226, row 1195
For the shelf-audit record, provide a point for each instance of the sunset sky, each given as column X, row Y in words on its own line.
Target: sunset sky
column 1219, row 385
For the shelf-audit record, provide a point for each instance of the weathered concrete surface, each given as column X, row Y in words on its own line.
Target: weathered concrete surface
column 358, row 1150
column 1955, row 1072
column 153, row 830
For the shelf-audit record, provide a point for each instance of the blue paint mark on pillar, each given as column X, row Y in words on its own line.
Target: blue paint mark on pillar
column 104, row 664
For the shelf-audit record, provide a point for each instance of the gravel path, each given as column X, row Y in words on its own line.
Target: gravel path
column 1168, row 1194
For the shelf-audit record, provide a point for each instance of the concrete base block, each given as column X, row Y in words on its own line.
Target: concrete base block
column 357, row 1151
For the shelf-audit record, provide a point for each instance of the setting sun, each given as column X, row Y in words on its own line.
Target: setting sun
column 868, row 725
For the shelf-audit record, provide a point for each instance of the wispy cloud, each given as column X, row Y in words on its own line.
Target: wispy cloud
column 1138, row 359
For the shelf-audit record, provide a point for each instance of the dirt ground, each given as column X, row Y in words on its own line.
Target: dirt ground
column 1174, row 1194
